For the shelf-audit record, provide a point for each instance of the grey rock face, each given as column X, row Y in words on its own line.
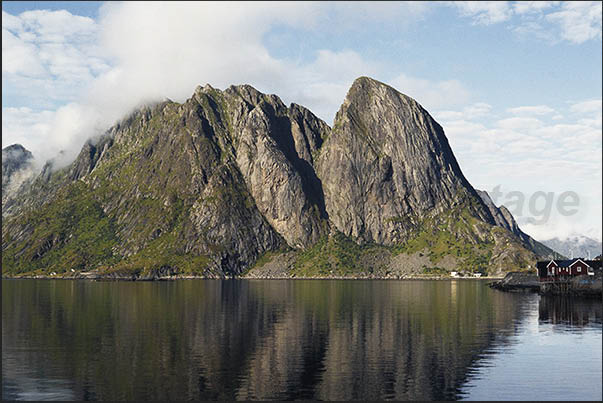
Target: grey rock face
column 89, row 156
column 504, row 218
column 308, row 132
column 225, row 224
column 282, row 183
column 14, row 158
column 184, row 157
column 387, row 165
column 17, row 170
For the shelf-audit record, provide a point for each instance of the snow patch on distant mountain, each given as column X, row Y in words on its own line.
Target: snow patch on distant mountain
column 576, row 246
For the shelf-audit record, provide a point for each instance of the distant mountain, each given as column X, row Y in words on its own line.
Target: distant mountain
column 15, row 158
column 576, row 246
column 231, row 180
column 17, row 169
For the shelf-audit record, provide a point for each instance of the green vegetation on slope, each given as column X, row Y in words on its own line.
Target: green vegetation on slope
column 474, row 245
column 337, row 255
column 70, row 233
column 452, row 234
column 161, row 253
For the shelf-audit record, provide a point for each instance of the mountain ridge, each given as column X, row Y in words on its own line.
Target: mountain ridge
column 575, row 246
column 224, row 182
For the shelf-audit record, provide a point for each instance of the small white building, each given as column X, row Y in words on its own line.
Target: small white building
column 454, row 274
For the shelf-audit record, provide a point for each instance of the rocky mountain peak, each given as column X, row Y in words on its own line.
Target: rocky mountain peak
column 387, row 165
column 17, row 170
column 14, row 156
column 18, row 148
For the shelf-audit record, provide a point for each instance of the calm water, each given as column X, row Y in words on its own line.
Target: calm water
column 316, row 339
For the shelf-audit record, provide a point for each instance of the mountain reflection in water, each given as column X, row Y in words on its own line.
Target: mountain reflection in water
column 258, row 339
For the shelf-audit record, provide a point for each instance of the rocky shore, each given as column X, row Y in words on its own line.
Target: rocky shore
column 517, row 281
column 583, row 286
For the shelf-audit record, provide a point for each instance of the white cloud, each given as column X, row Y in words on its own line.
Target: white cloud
column 19, row 56
column 579, row 21
column 11, row 22
column 355, row 15
column 536, row 30
column 322, row 84
column 576, row 22
column 138, row 53
column 432, row 95
column 589, row 113
column 469, row 112
column 46, row 133
column 25, row 126
column 49, row 55
column 526, row 7
column 56, row 26
column 594, row 105
column 528, row 154
column 520, row 123
column 485, row 12
column 476, row 110
column 448, row 116
column 178, row 46
column 531, row 110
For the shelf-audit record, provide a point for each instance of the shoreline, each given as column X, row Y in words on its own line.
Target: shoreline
column 525, row 282
column 175, row 278
column 496, row 283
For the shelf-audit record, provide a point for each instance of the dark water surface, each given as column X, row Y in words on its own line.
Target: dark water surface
column 295, row 339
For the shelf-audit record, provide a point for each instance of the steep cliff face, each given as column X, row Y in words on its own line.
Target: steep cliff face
column 268, row 139
column 387, row 166
column 229, row 179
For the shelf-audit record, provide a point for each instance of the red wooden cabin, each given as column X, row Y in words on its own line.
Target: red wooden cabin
column 564, row 269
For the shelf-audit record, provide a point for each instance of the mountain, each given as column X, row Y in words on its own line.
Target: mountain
column 234, row 183
column 504, row 218
column 387, row 166
column 14, row 159
column 17, row 169
column 576, row 246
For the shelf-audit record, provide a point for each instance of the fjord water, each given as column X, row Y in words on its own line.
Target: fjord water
column 295, row 339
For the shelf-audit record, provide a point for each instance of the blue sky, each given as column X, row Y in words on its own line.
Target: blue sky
column 516, row 85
